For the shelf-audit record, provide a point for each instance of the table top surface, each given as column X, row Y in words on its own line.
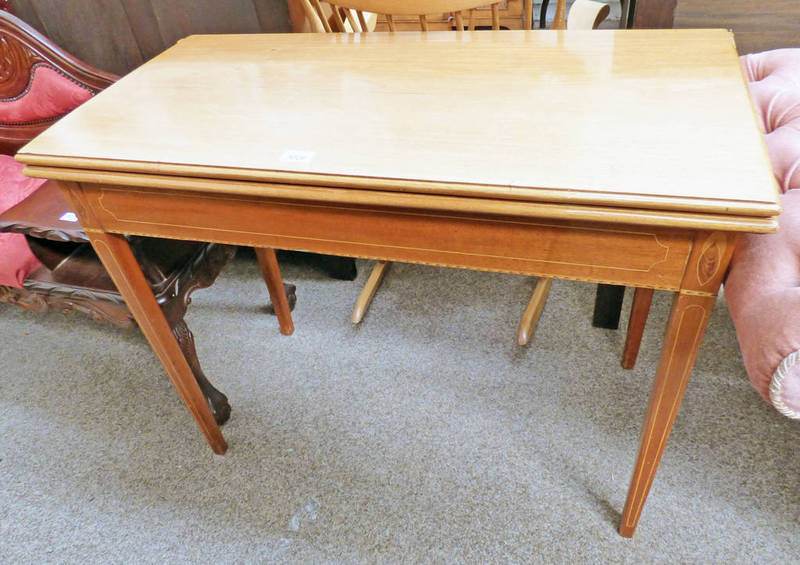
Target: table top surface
column 647, row 119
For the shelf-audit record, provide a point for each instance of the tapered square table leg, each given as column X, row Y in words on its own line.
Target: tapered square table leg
column 116, row 255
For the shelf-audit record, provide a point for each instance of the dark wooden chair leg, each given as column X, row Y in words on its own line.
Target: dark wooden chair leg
column 608, row 306
column 217, row 401
column 642, row 298
column 340, row 268
column 543, row 14
column 290, row 290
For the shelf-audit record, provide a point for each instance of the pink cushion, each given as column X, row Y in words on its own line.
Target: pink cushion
column 763, row 294
column 48, row 95
column 763, row 285
column 16, row 259
column 774, row 80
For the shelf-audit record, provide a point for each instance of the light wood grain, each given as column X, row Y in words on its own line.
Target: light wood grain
column 70, row 166
column 560, row 17
column 369, row 290
column 530, row 318
column 687, row 114
column 469, row 203
column 586, row 15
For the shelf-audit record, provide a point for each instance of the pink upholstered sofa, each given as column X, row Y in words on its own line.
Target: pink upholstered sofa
column 763, row 285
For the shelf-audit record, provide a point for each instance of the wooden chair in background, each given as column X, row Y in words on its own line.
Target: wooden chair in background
column 359, row 16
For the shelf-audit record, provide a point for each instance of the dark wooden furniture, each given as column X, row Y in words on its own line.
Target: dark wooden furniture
column 71, row 278
column 647, row 14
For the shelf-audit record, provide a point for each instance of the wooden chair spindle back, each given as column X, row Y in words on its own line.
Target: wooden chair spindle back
column 349, row 15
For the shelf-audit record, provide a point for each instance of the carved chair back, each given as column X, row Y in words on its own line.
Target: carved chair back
column 39, row 83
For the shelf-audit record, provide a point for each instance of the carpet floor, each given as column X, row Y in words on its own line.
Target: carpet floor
column 423, row 435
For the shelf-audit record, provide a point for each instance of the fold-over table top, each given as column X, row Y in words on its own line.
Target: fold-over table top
column 648, row 119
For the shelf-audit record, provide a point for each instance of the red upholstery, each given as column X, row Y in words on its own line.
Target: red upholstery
column 763, row 285
column 49, row 95
column 16, row 260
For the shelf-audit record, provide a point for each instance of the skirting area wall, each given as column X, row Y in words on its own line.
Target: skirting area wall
column 758, row 26
column 119, row 35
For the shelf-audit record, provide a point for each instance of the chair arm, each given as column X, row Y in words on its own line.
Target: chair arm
column 45, row 214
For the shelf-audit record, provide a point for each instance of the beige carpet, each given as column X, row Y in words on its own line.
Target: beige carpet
column 424, row 435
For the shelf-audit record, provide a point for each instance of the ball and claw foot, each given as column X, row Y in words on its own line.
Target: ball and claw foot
column 291, row 297
column 217, row 401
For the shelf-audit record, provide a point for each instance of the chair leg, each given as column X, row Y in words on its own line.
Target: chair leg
column 543, row 14
column 282, row 296
column 340, row 268
column 642, row 298
column 217, row 401
column 530, row 317
column 368, row 292
column 608, row 306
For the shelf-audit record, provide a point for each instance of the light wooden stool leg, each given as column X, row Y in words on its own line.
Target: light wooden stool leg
column 530, row 317
column 642, row 298
column 368, row 292
column 272, row 276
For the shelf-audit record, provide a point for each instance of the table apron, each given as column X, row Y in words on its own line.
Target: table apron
column 630, row 255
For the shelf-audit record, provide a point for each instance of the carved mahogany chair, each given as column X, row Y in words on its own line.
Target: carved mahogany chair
column 358, row 16
column 46, row 260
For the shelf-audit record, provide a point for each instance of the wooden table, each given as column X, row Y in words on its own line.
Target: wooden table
column 625, row 157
